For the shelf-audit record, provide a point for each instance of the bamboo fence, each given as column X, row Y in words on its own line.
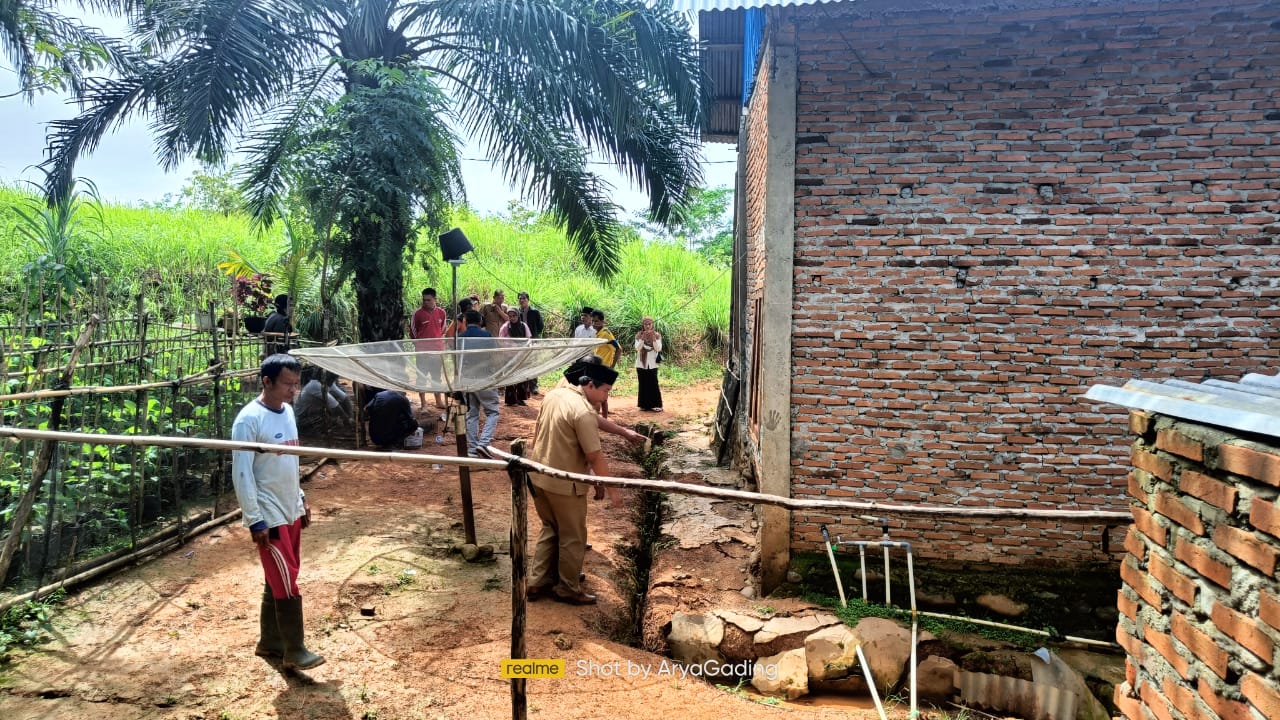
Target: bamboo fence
column 63, row 502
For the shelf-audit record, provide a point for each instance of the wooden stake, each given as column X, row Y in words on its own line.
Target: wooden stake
column 519, row 534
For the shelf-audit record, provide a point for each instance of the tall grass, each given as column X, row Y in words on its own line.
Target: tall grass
column 687, row 297
column 170, row 256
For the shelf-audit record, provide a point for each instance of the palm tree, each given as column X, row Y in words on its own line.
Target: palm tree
column 50, row 51
column 354, row 101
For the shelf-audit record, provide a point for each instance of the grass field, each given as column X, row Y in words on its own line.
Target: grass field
column 170, row 257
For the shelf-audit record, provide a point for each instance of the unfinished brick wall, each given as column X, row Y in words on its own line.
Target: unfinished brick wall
column 1200, row 605
column 999, row 204
column 757, row 152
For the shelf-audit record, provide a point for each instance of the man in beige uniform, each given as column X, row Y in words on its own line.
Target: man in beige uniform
column 566, row 437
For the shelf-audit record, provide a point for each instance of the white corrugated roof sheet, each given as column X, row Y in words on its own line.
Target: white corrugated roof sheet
column 701, row 5
column 1251, row 405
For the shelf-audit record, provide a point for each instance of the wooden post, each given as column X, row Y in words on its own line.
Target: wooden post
column 519, row 534
column 464, row 478
column 218, row 427
column 41, row 466
column 140, row 399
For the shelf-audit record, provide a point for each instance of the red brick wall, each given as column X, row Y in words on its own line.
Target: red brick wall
column 949, row 315
column 757, row 149
column 1200, row 606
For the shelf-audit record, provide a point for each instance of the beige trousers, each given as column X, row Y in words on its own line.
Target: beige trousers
column 557, row 557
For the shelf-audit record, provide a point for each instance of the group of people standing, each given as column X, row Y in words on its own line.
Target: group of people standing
column 497, row 319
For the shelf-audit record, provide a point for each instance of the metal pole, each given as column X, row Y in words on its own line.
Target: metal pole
column 915, row 630
column 460, row 427
column 862, row 560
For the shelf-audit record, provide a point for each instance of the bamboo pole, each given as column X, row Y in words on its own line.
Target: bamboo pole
column 113, row 389
column 464, row 480
column 231, row 445
column 215, row 365
column 23, row 512
column 1101, row 517
column 140, row 425
column 519, row 599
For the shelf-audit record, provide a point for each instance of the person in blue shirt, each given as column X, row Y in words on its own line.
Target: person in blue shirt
column 478, row 437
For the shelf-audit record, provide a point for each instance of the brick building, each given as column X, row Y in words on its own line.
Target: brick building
column 954, row 217
column 1200, row 604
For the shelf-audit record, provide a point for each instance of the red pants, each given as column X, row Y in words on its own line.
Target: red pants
column 281, row 558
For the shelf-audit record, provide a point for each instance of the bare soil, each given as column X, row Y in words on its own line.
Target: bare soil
column 174, row 638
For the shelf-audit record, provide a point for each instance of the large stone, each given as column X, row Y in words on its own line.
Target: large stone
column 829, row 653
column 749, row 623
column 788, row 633
column 935, row 601
column 936, row 678
column 695, row 639
column 783, row 674
column 1001, row 605
column 887, row 647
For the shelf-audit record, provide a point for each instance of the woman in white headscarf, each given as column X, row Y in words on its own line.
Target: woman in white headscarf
column 648, row 347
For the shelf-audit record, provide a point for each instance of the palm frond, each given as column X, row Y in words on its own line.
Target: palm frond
column 550, row 164
column 15, row 39
column 235, row 59
column 107, row 102
column 263, row 178
column 622, row 76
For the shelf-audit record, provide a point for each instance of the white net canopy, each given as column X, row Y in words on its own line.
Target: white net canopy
column 437, row 365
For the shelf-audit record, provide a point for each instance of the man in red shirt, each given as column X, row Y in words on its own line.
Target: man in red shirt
column 428, row 325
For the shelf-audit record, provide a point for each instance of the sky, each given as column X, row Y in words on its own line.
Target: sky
column 125, row 169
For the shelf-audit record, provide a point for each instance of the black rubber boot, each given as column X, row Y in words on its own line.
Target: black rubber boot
column 289, row 617
column 270, row 644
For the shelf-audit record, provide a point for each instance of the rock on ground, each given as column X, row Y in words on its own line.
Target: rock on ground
column 783, row 674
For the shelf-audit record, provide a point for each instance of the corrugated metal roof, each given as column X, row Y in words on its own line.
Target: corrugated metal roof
column 705, row 5
column 1251, row 405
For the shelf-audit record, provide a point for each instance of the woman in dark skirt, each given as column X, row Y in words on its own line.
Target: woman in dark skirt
column 648, row 346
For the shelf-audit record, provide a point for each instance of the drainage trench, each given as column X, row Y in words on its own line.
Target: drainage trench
column 648, row 517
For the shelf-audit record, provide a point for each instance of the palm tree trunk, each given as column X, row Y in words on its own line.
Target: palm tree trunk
column 379, row 280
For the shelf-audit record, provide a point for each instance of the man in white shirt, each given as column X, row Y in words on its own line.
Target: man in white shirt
column 586, row 327
column 275, row 509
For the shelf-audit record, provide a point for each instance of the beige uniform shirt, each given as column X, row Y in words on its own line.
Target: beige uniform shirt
column 566, row 432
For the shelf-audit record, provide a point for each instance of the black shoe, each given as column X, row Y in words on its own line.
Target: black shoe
column 577, row 598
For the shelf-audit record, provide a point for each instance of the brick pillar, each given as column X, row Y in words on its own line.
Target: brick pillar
column 1200, row 604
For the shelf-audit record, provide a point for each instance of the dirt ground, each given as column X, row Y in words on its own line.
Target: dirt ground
column 174, row 638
